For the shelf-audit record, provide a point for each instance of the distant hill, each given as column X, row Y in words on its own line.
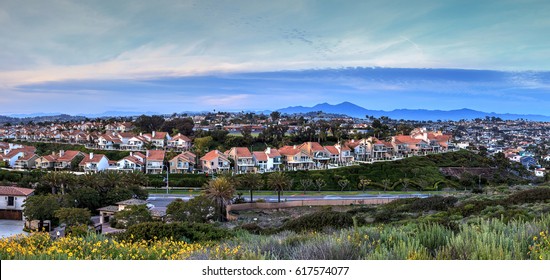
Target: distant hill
column 356, row 111
column 37, row 119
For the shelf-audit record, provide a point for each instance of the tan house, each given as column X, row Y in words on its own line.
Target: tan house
column 243, row 159
column 215, row 161
column 183, row 163
column 154, row 161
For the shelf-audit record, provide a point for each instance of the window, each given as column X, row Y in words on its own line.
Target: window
column 11, row 201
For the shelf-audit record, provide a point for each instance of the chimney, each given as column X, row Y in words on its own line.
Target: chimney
column 53, row 153
column 153, row 134
column 147, row 154
column 91, row 155
column 268, row 150
column 294, row 146
column 61, row 153
column 141, row 134
column 131, row 154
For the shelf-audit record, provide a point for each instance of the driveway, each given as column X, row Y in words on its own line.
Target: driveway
column 11, row 227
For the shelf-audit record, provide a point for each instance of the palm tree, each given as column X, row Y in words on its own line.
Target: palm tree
column 278, row 181
column 250, row 181
column 59, row 181
column 220, row 191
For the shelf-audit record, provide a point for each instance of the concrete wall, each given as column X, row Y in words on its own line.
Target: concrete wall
column 301, row 203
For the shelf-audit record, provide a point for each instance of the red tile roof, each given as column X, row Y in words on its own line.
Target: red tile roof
column 156, row 155
column 332, row 150
column 69, row 155
column 213, row 155
column 260, row 156
column 241, row 152
column 273, row 153
column 289, row 151
column 15, row 191
column 96, row 158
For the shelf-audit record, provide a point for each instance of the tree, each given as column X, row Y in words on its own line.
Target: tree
column 59, row 181
column 343, row 184
column 275, row 115
column 306, row 184
column 386, row 183
column 202, row 144
column 149, row 123
column 75, row 162
column 86, row 198
column 249, row 181
column 320, row 183
column 73, row 216
column 278, row 181
column 220, row 191
column 132, row 215
column 116, row 195
column 41, row 208
column 181, row 125
column 363, row 183
column 197, row 210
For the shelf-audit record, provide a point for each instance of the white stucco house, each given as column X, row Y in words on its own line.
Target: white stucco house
column 11, row 202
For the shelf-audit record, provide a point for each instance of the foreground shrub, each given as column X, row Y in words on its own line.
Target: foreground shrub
column 319, row 221
column 189, row 232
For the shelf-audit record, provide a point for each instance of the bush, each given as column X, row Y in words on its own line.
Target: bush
column 319, row 221
column 195, row 232
column 530, row 196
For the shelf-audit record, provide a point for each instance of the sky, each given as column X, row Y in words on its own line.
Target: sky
column 83, row 57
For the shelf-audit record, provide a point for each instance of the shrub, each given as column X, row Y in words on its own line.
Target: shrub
column 319, row 221
column 529, row 196
column 195, row 232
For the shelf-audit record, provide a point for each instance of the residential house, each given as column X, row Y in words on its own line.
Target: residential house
column 94, row 163
column 108, row 142
column 183, row 163
column 11, row 156
column 274, row 159
column 215, row 161
column 154, row 161
column 180, row 142
column 134, row 162
column 27, row 161
column 157, row 139
column 260, row 160
column 318, row 153
column 345, row 153
column 11, row 202
column 359, row 149
column 242, row 158
column 136, row 143
column 65, row 159
column 296, row 159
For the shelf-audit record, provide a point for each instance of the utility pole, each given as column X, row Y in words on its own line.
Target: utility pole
column 167, row 179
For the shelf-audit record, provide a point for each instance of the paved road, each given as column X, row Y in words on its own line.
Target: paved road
column 162, row 200
column 11, row 227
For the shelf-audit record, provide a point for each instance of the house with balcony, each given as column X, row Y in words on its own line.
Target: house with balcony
column 10, row 156
column 242, row 158
column 12, row 200
column 27, row 161
column 136, row 143
column 214, row 162
column 318, row 153
column 346, row 154
column 182, row 163
column 274, row 159
column 154, row 161
column 108, row 142
column 296, row 159
column 94, row 163
column 65, row 158
column 359, row 149
column 133, row 162
column 260, row 161
column 157, row 139
column 180, row 142
column 46, row 162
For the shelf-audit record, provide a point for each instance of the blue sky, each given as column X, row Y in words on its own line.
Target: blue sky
column 172, row 56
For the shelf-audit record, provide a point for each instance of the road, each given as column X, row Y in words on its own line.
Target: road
column 162, row 200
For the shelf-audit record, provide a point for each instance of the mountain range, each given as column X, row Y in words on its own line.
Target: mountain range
column 352, row 110
column 345, row 108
